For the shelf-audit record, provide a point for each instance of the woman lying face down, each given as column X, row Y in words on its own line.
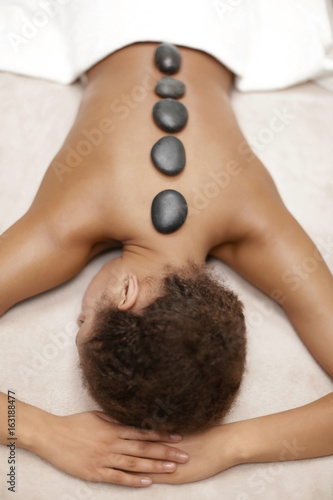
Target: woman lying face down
column 164, row 352
column 162, row 347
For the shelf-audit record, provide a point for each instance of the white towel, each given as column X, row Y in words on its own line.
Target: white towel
column 267, row 44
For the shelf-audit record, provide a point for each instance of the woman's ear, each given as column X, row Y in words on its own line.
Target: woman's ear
column 130, row 293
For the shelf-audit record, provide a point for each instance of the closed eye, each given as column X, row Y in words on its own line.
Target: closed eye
column 81, row 319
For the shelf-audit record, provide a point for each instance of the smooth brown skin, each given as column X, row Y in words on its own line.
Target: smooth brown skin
column 105, row 203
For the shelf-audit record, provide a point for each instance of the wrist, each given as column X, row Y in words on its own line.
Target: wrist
column 33, row 427
column 228, row 445
column 240, row 443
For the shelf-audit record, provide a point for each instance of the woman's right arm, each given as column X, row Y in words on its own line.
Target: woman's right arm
column 87, row 445
column 35, row 256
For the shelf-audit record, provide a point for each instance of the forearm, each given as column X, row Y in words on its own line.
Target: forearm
column 20, row 422
column 88, row 446
column 304, row 432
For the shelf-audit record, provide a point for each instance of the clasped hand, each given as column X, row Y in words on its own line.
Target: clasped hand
column 93, row 447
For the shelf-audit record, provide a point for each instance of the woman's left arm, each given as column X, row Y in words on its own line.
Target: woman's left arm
column 304, row 432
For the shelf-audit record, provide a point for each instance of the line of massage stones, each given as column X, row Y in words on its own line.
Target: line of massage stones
column 169, row 208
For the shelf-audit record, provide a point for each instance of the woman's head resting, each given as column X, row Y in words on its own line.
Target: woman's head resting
column 170, row 359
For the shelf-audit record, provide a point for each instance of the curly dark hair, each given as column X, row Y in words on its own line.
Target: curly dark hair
column 177, row 365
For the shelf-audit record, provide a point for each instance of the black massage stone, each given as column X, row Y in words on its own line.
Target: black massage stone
column 167, row 58
column 168, row 155
column 170, row 115
column 170, row 87
column 168, row 211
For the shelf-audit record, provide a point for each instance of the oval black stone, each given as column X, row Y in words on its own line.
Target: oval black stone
column 170, row 115
column 170, row 87
column 168, row 211
column 168, row 155
column 167, row 58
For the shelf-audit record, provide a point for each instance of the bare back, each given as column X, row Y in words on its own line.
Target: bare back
column 97, row 192
column 104, row 181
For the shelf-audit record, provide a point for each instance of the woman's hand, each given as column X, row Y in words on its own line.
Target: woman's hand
column 93, row 447
column 211, row 452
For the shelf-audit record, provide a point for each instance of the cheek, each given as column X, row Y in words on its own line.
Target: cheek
column 93, row 294
column 85, row 332
column 79, row 338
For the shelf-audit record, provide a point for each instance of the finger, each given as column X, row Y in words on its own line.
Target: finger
column 147, row 449
column 167, row 479
column 127, row 432
column 135, row 464
column 174, row 478
column 119, row 477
